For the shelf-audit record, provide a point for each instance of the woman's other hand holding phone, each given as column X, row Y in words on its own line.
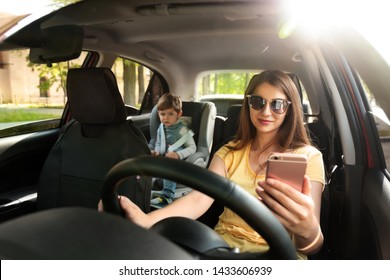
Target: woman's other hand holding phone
column 294, row 209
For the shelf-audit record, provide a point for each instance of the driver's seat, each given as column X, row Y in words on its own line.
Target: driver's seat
column 96, row 138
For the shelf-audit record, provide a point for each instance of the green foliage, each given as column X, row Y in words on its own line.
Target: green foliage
column 19, row 115
column 56, row 74
column 132, row 76
column 61, row 3
column 383, row 133
column 225, row 83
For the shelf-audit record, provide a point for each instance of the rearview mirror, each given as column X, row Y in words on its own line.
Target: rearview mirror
column 59, row 43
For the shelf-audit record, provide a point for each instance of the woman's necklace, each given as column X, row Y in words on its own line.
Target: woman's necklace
column 258, row 162
column 262, row 163
column 260, row 159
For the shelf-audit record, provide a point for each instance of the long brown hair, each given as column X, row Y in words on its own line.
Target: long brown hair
column 292, row 133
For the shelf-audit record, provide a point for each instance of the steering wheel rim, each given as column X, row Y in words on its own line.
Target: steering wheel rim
column 256, row 214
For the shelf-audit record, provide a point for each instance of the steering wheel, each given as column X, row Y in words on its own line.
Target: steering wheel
column 256, row 214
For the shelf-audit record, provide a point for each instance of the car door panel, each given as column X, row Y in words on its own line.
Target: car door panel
column 375, row 215
column 21, row 161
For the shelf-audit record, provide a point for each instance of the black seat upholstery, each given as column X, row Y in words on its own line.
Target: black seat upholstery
column 95, row 139
column 297, row 83
column 227, row 127
column 218, row 133
column 225, row 131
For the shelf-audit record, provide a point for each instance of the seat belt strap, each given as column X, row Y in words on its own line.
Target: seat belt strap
column 163, row 143
column 181, row 141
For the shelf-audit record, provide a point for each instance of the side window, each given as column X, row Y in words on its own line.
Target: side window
column 32, row 96
column 140, row 86
column 382, row 122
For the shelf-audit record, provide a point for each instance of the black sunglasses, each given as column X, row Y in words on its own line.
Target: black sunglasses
column 277, row 105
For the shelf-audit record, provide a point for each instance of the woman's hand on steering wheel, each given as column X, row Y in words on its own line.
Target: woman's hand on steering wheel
column 130, row 211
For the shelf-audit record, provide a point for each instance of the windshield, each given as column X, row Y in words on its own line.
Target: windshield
column 19, row 13
column 21, row 7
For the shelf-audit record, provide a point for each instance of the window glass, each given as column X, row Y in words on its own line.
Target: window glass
column 382, row 122
column 223, row 83
column 31, row 93
column 223, row 89
column 139, row 86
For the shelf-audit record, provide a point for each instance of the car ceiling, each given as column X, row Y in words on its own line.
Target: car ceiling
column 166, row 41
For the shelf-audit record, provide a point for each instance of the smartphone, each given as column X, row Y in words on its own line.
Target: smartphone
column 288, row 168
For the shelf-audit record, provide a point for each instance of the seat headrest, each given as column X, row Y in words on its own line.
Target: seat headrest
column 195, row 111
column 231, row 123
column 297, row 83
column 94, row 97
column 234, row 111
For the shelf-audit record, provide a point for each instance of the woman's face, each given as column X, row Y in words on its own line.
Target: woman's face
column 266, row 121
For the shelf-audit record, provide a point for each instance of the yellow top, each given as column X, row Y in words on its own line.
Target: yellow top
column 235, row 231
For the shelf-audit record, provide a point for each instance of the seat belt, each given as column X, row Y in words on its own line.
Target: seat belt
column 163, row 143
column 175, row 145
column 181, row 141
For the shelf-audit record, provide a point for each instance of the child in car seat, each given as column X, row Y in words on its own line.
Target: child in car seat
column 174, row 140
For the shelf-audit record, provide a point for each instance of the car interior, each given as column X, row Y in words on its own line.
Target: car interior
column 53, row 172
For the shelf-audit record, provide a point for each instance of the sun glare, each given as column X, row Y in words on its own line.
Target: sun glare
column 369, row 17
column 20, row 7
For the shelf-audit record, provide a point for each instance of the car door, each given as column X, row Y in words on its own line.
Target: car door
column 32, row 104
column 364, row 198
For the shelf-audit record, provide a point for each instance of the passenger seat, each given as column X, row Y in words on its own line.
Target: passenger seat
column 89, row 145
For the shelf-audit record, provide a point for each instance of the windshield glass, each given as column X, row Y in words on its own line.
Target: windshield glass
column 21, row 7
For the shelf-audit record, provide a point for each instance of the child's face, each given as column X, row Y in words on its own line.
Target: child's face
column 169, row 116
